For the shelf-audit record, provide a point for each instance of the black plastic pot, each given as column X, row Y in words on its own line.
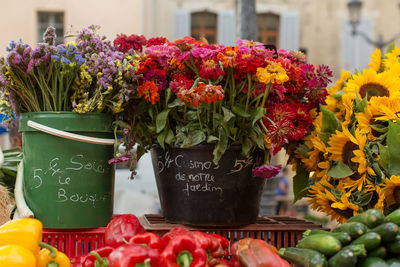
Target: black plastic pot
column 195, row 191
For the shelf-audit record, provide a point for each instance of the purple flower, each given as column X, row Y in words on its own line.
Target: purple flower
column 158, row 78
column 267, row 171
column 124, row 158
column 324, row 74
column 49, row 35
column 204, row 52
column 308, row 75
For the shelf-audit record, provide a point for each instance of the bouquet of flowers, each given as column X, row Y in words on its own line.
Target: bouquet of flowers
column 353, row 151
column 191, row 92
column 89, row 75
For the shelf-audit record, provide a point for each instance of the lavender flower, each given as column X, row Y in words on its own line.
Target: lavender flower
column 49, row 35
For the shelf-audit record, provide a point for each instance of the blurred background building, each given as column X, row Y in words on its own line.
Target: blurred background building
column 320, row 28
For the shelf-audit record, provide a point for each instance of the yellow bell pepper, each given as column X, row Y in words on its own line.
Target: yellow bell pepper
column 23, row 232
column 16, row 256
column 50, row 257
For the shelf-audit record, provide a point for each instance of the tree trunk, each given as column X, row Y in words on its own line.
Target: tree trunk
column 248, row 27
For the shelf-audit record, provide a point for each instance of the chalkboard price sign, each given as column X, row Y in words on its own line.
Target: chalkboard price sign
column 189, row 182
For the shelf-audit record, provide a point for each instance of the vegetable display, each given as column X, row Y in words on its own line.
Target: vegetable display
column 21, row 246
column 367, row 240
column 128, row 245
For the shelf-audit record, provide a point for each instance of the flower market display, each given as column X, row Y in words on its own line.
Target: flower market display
column 353, row 151
column 191, row 92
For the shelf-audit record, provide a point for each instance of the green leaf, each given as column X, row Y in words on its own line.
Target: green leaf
column 194, row 138
column 257, row 138
column 122, row 124
column 191, row 115
column 362, row 104
column 340, row 170
column 221, row 146
column 300, row 183
column 338, row 95
column 330, row 122
column 393, row 144
column 176, row 103
column 161, row 120
column 239, row 110
column 161, row 138
column 228, row 115
column 170, row 137
column 391, row 47
column 324, row 137
column 364, row 199
column 258, row 113
column 212, row 139
column 246, row 147
column 384, row 153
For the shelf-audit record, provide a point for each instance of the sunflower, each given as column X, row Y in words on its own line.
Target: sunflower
column 317, row 152
column 369, row 83
column 376, row 60
column 391, row 190
column 378, row 112
column 391, row 58
column 324, row 201
column 350, row 150
column 378, row 197
column 344, row 76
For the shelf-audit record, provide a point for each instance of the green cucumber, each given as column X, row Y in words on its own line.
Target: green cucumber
column 345, row 257
column 304, row 257
column 370, row 218
column 394, row 247
column 388, row 231
column 394, row 217
column 326, row 244
column 372, row 262
column 393, row 262
column 370, row 240
column 379, row 252
column 343, row 237
column 355, row 229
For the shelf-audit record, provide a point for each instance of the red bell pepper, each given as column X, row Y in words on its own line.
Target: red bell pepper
column 183, row 251
column 121, row 228
column 173, row 233
column 224, row 243
column 135, row 256
column 250, row 252
column 210, row 244
column 100, row 255
column 149, row 239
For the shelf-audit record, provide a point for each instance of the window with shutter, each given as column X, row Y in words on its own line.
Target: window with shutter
column 204, row 24
column 55, row 19
column 268, row 28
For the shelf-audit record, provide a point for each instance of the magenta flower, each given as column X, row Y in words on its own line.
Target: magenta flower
column 267, row 171
column 308, row 75
column 124, row 158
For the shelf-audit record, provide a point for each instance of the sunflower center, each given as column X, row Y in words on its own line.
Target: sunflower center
column 396, row 195
column 374, row 199
column 373, row 89
column 347, row 213
column 347, row 152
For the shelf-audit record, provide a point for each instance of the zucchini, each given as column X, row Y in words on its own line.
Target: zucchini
column 394, row 217
column 343, row 237
column 326, row 244
column 345, row 257
column 393, row 262
column 359, row 250
column 355, row 229
column 387, row 231
column 370, row 240
column 303, row 257
column 370, row 218
column 394, row 247
column 372, row 262
column 379, row 252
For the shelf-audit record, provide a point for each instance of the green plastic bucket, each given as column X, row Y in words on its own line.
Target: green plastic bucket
column 68, row 182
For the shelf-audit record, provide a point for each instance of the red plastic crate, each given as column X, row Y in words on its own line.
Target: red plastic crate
column 280, row 231
column 75, row 242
